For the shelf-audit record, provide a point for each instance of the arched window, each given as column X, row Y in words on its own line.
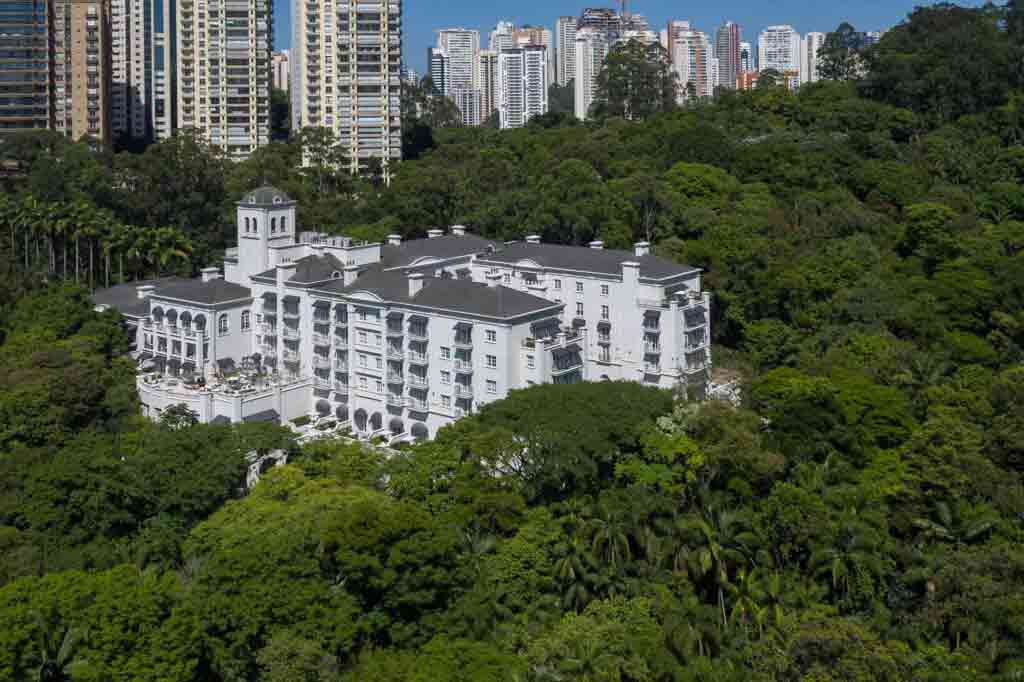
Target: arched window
column 284, row 224
column 273, row 225
column 247, row 223
column 246, row 320
column 222, row 325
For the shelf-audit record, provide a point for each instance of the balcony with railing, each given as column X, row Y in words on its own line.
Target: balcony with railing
column 652, row 348
column 395, row 352
column 566, row 363
column 396, row 400
column 418, row 333
column 652, row 368
column 341, row 387
column 417, row 358
column 290, row 355
column 417, row 404
column 321, row 361
column 463, row 390
column 268, row 329
column 340, row 365
column 395, row 377
column 463, row 341
column 340, row 341
column 291, row 333
column 463, row 367
column 395, row 330
column 418, row 380
column 322, row 383
column 291, row 312
column 321, row 339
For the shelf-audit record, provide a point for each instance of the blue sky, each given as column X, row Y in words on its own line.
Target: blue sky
column 424, row 17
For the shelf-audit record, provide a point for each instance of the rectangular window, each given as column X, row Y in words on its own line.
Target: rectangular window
column 176, row 348
column 492, row 361
column 446, row 353
column 530, row 362
column 507, row 278
column 376, row 340
column 446, row 377
column 605, row 312
column 579, row 310
column 558, row 285
column 492, row 387
column 379, row 362
column 579, row 287
column 190, row 350
column 604, row 289
column 361, row 335
column 380, row 386
column 491, row 336
column 362, row 360
column 161, row 344
column 446, row 401
column 363, row 383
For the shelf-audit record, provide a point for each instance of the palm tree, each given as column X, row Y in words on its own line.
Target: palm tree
column 609, row 538
column 56, row 646
column 576, row 572
column 855, row 555
column 959, row 525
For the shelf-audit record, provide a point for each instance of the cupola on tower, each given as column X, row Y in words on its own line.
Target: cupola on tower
column 266, row 222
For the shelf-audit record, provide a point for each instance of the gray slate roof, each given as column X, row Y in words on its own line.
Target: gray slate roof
column 603, row 261
column 449, row 246
column 310, row 270
column 124, row 298
column 265, row 196
column 204, row 293
column 455, row 295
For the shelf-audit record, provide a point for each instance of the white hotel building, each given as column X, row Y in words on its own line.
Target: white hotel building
column 401, row 339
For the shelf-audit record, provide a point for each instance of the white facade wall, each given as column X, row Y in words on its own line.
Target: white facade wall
column 565, row 39
column 462, row 48
column 591, row 51
column 778, row 47
column 399, row 369
column 810, row 47
column 674, row 349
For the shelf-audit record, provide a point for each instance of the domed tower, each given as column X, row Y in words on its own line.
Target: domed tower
column 266, row 219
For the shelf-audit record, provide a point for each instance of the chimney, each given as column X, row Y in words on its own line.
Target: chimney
column 285, row 272
column 350, row 274
column 631, row 273
column 145, row 290
column 435, row 233
column 494, row 279
column 458, row 230
column 210, row 274
column 642, row 249
column 394, row 240
column 597, row 245
column 415, row 283
column 533, row 239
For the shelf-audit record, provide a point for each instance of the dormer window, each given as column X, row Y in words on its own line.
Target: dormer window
column 277, row 200
column 335, row 275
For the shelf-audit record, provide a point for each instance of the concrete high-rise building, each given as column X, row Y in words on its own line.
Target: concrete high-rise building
column 810, row 47
column 565, row 56
column 748, row 58
column 163, row 73
column 501, row 37
column 600, row 18
column 489, row 82
column 347, row 76
column 82, row 35
column 461, row 47
column 438, row 70
column 25, row 83
column 523, row 85
column 778, row 47
column 692, row 57
column 727, row 52
column 224, row 72
column 281, row 70
column 470, row 104
column 591, row 49
column 537, row 35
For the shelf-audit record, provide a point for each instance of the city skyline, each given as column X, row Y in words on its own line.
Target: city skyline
column 422, row 20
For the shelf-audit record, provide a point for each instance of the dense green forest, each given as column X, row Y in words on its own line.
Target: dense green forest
column 858, row 518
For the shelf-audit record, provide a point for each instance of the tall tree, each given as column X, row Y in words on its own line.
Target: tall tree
column 635, row 82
